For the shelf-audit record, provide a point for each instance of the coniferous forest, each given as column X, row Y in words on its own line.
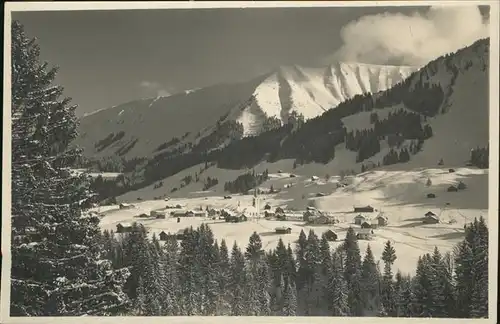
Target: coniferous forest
column 64, row 265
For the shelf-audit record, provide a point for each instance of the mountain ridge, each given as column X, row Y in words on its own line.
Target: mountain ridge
column 285, row 90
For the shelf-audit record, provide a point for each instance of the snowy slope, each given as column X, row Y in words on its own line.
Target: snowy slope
column 400, row 195
column 147, row 123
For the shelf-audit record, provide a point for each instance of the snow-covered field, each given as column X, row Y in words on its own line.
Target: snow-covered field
column 400, row 195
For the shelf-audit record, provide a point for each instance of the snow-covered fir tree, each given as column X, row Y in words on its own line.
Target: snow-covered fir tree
column 58, row 267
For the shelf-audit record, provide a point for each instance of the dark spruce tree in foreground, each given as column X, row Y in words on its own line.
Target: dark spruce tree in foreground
column 57, row 266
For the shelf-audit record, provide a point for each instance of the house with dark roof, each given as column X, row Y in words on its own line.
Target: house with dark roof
column 382, row 220
column 123, row 227
column 364, row 234
column 366, row 225
column 163, row 236
column 364, row 209
column 431, row 218
column 331, row 235
column 283, row 230
column 359, row 219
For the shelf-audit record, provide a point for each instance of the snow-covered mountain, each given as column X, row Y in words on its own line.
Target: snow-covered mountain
column 312, row 91
column 139, row 128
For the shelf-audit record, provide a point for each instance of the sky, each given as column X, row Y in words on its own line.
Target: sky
column 106, row 58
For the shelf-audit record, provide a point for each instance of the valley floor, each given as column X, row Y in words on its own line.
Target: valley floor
column 400, row 195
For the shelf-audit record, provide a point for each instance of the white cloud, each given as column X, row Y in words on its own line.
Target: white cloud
column 155, row 87
column 413, row 39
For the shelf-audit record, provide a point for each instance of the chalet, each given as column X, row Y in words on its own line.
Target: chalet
column 236, row 219
column 291, row 216
column 364, row 234
column 359, row 219
column 314, row 178
column 126, row 206
column 227, row 197
column 281, row 217
column 123, row 228
column 159, row 213
column 320, row 219
column 382, row 220
column 178, row 213
column 189, row 213
column 268, row 214
column 283, row 230
column 162, row 215
column 200, row 213
column 365, row 209
column 366, row 225
column 163, row 236
column 308, row 214
column 311, row 208
column 143, row 215
column 452, row 189
column 279, row 210
column 225, row 213
column 331, row 235
column 431, row 195
column 431, row 218
column 451, row 170
column 292, row 175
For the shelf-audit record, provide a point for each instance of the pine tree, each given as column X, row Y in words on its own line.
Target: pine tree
column 313, row 288
column 291, row 264
column 423, row 289
column 289, row 300
column 136, row 257
column 337, row 287
column 206, row 261
column 407, row 299
column 140, row 301
column 388, row 295
column 370, row 281
column 170, row 262
column 237, row 282
column 57, row 264
column 448, row 286
column 189, row 275
column 480, row 291
column 224, row 272
column 258, row 283
column 300, row 251
column 471, row 271
column 352, row 272
column 154, row 280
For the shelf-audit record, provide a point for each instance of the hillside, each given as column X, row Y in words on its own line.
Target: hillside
column 143, row 127
column 438, row 114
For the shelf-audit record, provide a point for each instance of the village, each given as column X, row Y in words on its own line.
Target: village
column 431, row 215
column 364, row 219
